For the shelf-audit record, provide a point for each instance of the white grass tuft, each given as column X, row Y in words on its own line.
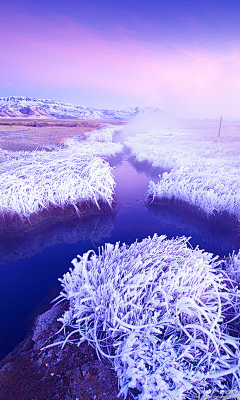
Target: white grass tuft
column 31, row 181
column 207, row 186
column 233, row 266
column 202, row 173
column 158, row 310
column 94, row 148
column 104, row 134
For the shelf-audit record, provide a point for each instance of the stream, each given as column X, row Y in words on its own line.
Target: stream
column 32, row 263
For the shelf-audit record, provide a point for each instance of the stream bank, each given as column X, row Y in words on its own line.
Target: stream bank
column 26, row 373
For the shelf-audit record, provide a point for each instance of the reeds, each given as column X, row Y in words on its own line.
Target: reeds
column 159, row 311
column 32, row 181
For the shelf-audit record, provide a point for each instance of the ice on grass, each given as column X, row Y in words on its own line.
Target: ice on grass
column 159, row 310
column 201, row 172
column 104, row 134
column 232, row 263
column 32, row 181
column 208, row 186
column 98, row 142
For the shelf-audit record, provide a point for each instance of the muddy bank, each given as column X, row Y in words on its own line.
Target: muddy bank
column 68, row 373
column 15, row 225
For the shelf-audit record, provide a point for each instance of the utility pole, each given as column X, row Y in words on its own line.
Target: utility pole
column 219, row 131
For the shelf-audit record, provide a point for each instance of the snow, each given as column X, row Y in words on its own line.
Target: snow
column 159, row 311
column 22, row 107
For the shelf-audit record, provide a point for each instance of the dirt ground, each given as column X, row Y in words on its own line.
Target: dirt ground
column 39, row 134
column 68, row 373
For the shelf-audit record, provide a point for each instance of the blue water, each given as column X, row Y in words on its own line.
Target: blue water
column 32, row 263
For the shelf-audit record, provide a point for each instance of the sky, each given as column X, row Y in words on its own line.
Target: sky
column 181, row 56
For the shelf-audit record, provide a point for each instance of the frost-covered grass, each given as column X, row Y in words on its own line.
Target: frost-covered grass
column 32, row 181
column 92, row 147
column 199, row 171
column 233, row 266
column 159, row 311
column 104, row 134
column 208, row 185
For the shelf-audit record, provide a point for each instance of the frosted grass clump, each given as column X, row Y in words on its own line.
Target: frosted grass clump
column 104, row 134
column 200, row 172
column 207, row 186
column 31, row 181
column 93, row 148
column 232, row 263
column 180, row 149
column 158, row 310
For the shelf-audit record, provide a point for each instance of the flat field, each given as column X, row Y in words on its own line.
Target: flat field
column 25, row 134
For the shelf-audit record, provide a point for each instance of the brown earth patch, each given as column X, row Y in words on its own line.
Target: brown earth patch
column 38, row 134
column 56, row 373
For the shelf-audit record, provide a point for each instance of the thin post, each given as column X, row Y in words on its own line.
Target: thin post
column 219, row 131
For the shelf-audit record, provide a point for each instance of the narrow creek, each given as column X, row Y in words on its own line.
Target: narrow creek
column 31, row 264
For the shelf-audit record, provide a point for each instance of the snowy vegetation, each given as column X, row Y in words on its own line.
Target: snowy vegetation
column 104, row 134
column 233, row 266
column 199, row 171
column 159, row 311
column 98, row 142
column 32, row 181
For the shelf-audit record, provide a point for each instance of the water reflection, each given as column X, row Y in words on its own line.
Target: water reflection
column 145, row 167
column 31, row 265
column 217, row 234
column 27, row 244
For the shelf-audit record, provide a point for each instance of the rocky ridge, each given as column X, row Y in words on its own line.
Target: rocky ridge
column 30, row 107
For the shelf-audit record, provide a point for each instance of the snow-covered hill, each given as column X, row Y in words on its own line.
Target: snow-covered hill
column 30, row 107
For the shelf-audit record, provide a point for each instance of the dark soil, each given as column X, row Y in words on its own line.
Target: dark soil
column 68, row 373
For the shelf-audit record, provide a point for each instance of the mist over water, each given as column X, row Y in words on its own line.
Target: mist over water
column 149, row 122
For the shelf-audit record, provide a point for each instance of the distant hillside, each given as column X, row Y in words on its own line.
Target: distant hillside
column 30, row 107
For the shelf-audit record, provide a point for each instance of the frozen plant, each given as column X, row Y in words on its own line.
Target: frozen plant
column 232, row 263
column 104, row 134
column 207, row 186
column 93, row 147
column 31, row 181
column 199, row 171
column 159, row 311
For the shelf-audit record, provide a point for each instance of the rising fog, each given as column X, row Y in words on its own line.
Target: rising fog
column 150, row 121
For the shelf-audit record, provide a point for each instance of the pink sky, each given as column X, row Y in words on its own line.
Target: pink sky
column 39, row 56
